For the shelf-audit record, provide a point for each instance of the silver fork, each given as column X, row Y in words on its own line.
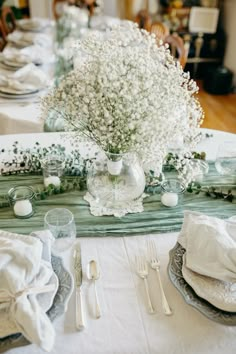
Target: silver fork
column 155, row 264
column 142, row 270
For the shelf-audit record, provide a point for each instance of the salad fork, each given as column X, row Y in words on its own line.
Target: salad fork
column 142, row 270
column 155, row 264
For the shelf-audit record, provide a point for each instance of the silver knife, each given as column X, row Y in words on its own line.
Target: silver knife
column 79, row 309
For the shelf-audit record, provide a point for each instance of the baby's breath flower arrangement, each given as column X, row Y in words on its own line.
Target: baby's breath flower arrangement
column 128, row 94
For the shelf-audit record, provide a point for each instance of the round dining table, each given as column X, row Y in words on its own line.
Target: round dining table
column 125, row 325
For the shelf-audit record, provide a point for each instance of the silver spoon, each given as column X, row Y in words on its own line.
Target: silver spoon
column 93, row 274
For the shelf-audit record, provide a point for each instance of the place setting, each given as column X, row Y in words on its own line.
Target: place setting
column 33, row 292
column 24, row 83
column 21, row 39
column 202, row 267
column 33, row 24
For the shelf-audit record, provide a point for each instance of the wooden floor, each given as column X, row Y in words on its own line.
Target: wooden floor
column 220, row 110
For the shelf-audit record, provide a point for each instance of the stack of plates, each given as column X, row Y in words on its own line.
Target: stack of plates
column 213, row 298
column 10, row 93
column 54, row 303
column 32, row 25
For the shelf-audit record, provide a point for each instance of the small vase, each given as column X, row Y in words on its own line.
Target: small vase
column 116, row 180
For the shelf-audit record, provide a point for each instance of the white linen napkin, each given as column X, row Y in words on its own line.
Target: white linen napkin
column 23, row 272
column 23, row 39
column 13, row 55
column 210, row 245
column 29, row 78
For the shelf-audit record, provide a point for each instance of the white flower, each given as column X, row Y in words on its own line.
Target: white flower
column 129, row 94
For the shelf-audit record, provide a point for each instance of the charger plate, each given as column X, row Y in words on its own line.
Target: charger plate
column 191, row 298
column 58, row 307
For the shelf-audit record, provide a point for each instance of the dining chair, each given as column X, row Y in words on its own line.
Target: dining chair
column 2, row 37
column 143, row 20
column 8, row 20
column 160, row 29
column 57, row 8
column 177, row 48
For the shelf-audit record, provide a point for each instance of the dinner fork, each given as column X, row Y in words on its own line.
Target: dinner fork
column 142, row 270
column 155, row 264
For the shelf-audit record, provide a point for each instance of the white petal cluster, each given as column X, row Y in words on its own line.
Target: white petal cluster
column 129, row 94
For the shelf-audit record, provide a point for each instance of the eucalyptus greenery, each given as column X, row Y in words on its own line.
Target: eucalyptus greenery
column 30, row 160
column 216, row 192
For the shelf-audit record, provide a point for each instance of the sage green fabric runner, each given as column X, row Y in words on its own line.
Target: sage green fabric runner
column 156, row 218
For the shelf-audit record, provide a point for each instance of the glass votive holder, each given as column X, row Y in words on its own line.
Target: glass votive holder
column 171, row 192
column 200, row 169
column 22, row 199
column 60, row 222
column 53, row 168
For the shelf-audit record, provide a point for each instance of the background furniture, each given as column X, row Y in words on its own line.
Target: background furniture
column 8, row 20
column 2, row 37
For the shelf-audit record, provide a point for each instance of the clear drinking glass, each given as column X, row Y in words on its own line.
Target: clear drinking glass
column 61, row 223
column 226, row 159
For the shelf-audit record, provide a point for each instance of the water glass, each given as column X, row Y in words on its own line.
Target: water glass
column 226, row 159
column 61, row 223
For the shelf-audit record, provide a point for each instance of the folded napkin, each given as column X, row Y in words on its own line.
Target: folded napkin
column 37, row 24
column 29, row 78
column 24, row 273
column 210, row 245
column 24, row 39
column 12, row 55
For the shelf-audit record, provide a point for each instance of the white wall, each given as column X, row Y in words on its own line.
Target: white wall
column 230, row 28
column 40, row 8
column 110, row 7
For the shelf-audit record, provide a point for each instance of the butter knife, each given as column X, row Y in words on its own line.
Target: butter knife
column 79, row 309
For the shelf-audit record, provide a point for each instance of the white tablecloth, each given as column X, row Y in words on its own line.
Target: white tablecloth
column 125, row 326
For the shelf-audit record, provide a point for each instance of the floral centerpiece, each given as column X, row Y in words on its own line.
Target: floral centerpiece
column 129, row 94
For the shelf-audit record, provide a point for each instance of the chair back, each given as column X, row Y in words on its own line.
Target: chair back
column 143, row 20
column 57, row 8
column 160, row 29
column 8, row 20
column 177, row 48
column 2, row 37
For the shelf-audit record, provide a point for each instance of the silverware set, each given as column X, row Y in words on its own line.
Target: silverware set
column 142, row 268
column 93, row 274
column 143, row 264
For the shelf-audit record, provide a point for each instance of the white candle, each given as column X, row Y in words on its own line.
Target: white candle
column 169, row 199
column 52, row 180
column 22, row 207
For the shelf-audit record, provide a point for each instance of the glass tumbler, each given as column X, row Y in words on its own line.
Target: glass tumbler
column 22, row 199
column 171, row 192
column 53, row 168
column 226, row 158
column 61, row 223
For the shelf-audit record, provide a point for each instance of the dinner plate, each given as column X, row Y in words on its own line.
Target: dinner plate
column 12, row 91
column 14, row 64
column 30, row 25
column 219, row 293
column 58, row 307
column 189, row 295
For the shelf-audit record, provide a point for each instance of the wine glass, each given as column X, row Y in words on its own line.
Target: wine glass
column 61, row 223
column 226, row 159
